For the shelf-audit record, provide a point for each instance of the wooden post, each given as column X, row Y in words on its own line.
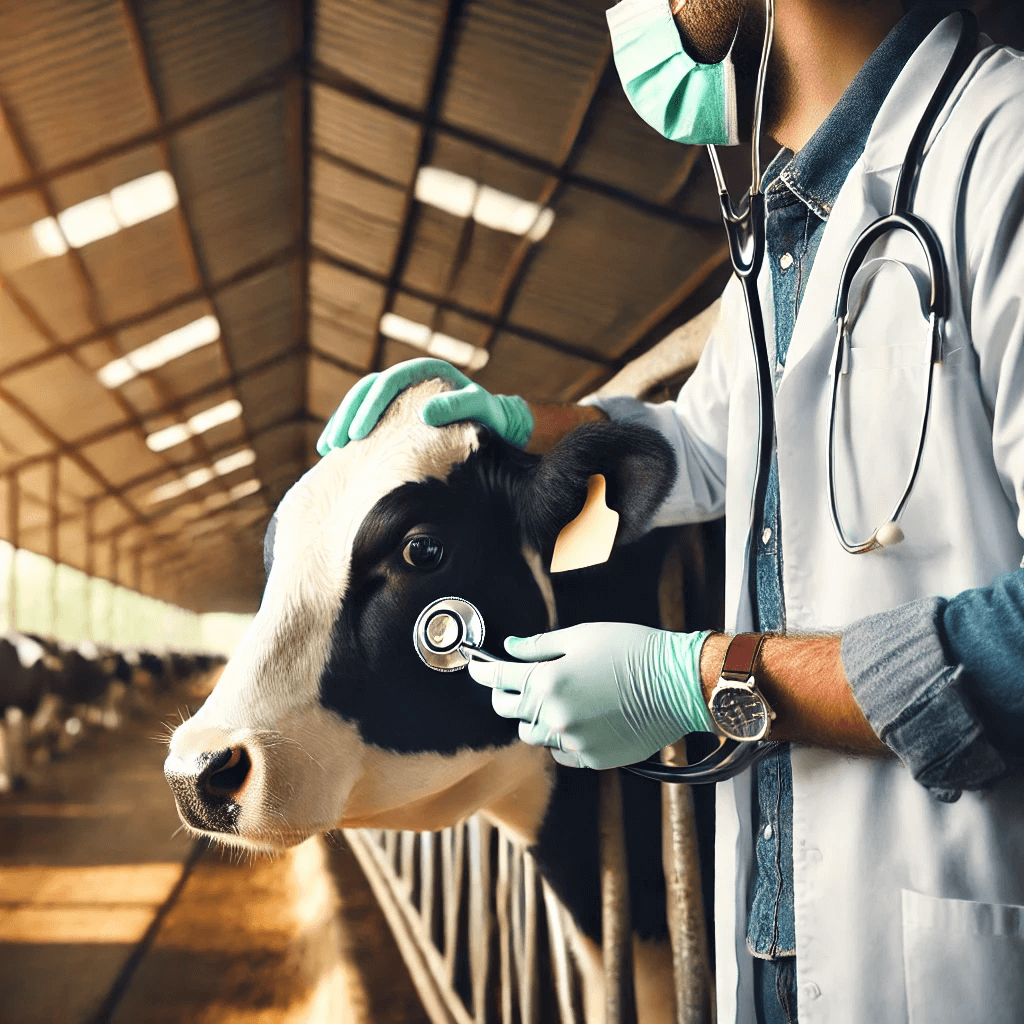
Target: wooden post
column 616, row 927
column 90, row 569
column 13, row 504
column 53, row 539
column 691, row 964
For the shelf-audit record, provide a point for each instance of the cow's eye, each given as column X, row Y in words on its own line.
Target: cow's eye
column 423, row 552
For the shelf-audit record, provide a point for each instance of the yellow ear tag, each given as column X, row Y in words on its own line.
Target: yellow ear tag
column 588, row 539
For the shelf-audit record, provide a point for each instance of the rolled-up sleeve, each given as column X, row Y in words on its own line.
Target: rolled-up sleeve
column 916, row 700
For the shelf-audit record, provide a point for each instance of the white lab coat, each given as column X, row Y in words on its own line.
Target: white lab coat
column 907, row 909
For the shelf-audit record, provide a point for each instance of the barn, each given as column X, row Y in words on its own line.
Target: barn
column 215, row 218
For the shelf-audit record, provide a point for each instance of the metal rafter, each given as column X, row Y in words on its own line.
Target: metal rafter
column 468, row 312
column 435, row 90
column 301, row 25
column 332, row 79
column 130, row 12
column 114, row 326
column 554, row 186
column 261, row 84
column 28, row 160
column 70, row 450
column 211, row 387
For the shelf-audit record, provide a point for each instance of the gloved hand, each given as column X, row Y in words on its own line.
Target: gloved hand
column 507, row 415
column 613, row 695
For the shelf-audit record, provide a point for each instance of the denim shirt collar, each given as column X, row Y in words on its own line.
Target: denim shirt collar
column 816, row 174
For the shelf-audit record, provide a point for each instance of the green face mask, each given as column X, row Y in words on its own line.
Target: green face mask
column 683, row 100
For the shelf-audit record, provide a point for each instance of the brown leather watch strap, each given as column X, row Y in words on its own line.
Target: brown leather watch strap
column 741, row 657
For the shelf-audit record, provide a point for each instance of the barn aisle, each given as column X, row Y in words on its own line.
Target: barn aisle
column 108, row 917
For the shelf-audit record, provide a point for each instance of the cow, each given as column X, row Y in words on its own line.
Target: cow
column 325, row 717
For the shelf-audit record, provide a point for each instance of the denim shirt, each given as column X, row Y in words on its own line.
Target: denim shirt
column 800, row 191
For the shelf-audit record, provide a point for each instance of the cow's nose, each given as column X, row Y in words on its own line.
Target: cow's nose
column 224, row 775
column 206, row 787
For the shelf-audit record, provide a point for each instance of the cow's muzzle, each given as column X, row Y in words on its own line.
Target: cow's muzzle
column 207, row 788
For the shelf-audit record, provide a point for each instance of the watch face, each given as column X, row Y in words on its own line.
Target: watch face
column 740, row 712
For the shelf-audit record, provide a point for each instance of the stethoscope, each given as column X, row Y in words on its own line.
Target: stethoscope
column 448, row 633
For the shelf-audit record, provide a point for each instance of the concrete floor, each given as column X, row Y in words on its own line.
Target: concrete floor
column 108, row 917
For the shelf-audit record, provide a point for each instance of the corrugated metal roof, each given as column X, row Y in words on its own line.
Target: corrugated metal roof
column 294, row 159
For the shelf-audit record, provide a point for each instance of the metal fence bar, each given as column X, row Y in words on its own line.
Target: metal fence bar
column 480, row 919
column 427, row 968
column 452, row 842
column 503, row 899
column 560, row 961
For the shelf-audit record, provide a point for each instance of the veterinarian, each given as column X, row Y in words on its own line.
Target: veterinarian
column 851, row 886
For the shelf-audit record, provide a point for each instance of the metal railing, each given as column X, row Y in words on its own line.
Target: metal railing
column 471, row 914
column 487, row 941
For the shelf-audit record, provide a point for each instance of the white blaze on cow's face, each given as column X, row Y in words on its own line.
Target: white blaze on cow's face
column 272, row 758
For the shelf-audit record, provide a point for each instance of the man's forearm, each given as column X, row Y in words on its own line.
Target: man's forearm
column 803, row 680
column 552, row 422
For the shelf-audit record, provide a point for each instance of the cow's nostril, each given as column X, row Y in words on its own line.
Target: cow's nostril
column 226, row 773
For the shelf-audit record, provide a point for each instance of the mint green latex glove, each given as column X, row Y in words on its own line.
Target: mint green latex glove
column 613, row 694
column 507, row 415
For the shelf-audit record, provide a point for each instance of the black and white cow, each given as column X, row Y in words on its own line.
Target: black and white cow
column 325, row 716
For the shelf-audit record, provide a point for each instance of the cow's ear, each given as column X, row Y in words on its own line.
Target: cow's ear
column 639, row 468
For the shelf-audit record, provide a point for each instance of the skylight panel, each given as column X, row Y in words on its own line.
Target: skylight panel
column 197, row 477
column 89, row 221
column 101, row 216
column 461, row 353
column 463, row 197
column 161, row 440
column 443, row 346
column 47, row 235
column 244, row 489
column 448, row 191
column 215, row 416
column 171, row 489
column 503, row 211
column 143, row 198
column 165, row 348
column 237, row 460
column 398, row 328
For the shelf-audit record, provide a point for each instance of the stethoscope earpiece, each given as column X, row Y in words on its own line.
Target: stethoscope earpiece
column 888, row 535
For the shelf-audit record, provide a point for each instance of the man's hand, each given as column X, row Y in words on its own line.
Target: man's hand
column 601, row 694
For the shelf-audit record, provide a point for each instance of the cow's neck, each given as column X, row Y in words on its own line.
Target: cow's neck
column 512, row 785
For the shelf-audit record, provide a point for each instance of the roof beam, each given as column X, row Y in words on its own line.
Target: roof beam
column 268, row 81
column 130, row 11
column 576, row 138
column 113, row 327
column 471, row 314
column 332, row 79
column 211, row 387
column 438, row 80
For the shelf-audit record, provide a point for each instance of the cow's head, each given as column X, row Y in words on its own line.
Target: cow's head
column 325, row 715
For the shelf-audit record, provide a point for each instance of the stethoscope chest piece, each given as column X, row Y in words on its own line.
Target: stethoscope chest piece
column 441, row 630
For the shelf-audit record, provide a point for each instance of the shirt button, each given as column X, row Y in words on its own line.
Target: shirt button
column 811, row 991
column 767, row 535
column 786, row 260
column 814, row 856
column 767, row 832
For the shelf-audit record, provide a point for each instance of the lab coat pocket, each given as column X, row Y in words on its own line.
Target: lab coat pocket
column 963, row 962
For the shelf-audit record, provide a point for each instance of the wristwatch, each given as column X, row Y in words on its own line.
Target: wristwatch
column 737, row 706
